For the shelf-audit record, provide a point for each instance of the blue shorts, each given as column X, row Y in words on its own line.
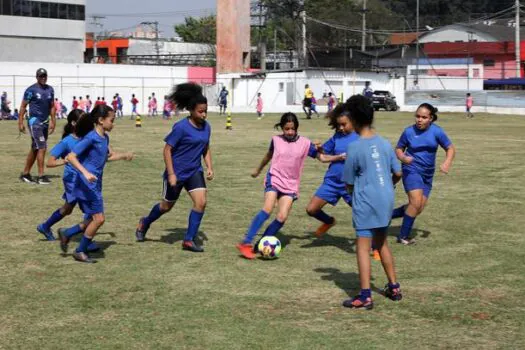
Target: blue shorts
column 91, row 207
column 269, row 188
column 69, row 196
column 332, row 194
column 369, row 233
column 193, row 183
column 415, row 181
column 134, row 109
column 39, row 132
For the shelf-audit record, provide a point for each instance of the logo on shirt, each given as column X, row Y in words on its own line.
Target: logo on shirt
column 38, row 96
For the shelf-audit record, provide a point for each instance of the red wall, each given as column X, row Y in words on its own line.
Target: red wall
column 202, row 75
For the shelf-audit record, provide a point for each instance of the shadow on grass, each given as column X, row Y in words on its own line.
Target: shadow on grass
column 99, row 254
column 177, row 235
column 348, row 282
column 327, row 240
column 286, row 239
column 394, row 231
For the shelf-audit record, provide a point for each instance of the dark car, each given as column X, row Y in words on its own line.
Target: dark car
column 384, row 99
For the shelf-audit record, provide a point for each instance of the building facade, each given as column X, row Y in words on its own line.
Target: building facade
column 42, row 31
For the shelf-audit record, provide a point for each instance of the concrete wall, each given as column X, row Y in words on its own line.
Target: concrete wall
column 454, row 34
column 147, row 47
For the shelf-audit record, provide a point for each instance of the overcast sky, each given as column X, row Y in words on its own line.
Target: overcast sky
column 124, row 14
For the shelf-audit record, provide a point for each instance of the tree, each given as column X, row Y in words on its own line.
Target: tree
column 198, row 30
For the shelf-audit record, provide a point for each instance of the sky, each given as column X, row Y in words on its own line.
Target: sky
column 124, row 14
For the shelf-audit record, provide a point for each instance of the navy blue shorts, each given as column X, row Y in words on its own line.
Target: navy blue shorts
column 39, row 133
column 415, row 181
column 269, row 188
column 332, row 193
column 193, row 183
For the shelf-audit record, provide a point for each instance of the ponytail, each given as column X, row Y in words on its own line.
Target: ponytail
column 72, row 120
column 87, row 124
column 187, row 95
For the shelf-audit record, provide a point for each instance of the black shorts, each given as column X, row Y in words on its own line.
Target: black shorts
column 193, row 183
column 307, row 102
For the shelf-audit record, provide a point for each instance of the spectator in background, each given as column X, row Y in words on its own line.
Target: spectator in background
column 307, row 101
column 120, row 105
column 223, row 100
column 114, row 105
column 150, row 106
column 89, row 104
column 4, row 106
column 313, row 106
column 15, row 115
column 154, row 105
column 104, row 101
column 368, row 92
column 74, row 105
column 331, row 101
column 259, row 107
column 81, row 104
column 134, row 103
column 469, row 102
column 58, row 108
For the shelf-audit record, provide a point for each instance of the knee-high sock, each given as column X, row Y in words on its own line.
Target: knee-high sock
column 398, row 212
column 154, row 214
column 53, row 219
column 323, row 217
column 73, row 230
column 406, row 227
column 194, row 222
column 273, row 228
column 255, row 226
column 84, row 244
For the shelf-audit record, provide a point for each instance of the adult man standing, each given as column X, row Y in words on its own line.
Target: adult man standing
column 40, row 98
column 223, row 100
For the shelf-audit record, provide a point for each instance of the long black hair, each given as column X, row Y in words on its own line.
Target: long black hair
column 433, row 110
column 87, row 124
column 72, row 119
column 187, row 95
column 340, row 110
column 361, row 111
column 287, row 118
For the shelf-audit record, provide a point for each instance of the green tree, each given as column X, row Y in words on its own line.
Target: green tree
column 198, row 30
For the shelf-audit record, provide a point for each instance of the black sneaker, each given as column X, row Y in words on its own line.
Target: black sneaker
column 27, row 178
column 393, row 292
column 140, row 232
column 83, row 258
column 43, row 180
column 192, row 247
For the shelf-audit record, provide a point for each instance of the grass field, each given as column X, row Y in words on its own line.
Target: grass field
column 463, row 283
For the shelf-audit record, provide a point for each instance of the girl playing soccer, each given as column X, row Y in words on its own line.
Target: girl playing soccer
column 61, row 150
column 186, row 144
column 287, row 153
column 259, row 107
column 416, row 149
column 370, row 172
column 89, row 157
column 332, row 188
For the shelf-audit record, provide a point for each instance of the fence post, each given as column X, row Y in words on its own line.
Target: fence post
column 142, row 102
column 14, row 92
column 104, row 87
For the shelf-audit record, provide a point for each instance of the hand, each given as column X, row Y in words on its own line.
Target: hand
column 172, row 180
column 51, row 127
column 445, row 167
column 209, row 174
column 90, row 177
column 342, row 156
column 318, row 145
column 407, row 160
column 255, row 173
column 129, row 156
column 22, row 128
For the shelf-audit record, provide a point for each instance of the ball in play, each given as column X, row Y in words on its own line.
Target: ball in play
column 269, row 247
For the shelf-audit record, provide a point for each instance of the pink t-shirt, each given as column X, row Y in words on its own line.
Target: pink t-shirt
column 259, row 104
column 82, row 105
column 470, row 101
column 287, row 163
column 58, row 107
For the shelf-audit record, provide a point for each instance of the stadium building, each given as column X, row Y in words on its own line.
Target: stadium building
column 42, row 31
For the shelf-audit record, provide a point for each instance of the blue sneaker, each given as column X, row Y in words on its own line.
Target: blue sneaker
column 47, row 233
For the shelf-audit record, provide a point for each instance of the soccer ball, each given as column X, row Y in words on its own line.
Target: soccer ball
column 269, row 247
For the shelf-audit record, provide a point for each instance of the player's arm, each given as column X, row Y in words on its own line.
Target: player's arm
column 207, row 161
column 396, row 177
column 328, row 158
column 73, row 160
column 52, row 121
column 403, row 158
column 21, row 116
column 266, row 159
column 53, row 162
column 114, row 156
column 168, row 161
column 450, row 154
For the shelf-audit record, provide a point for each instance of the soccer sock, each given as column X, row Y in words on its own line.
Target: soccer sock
column 154, row 214
column 398, row 212
column 365, row 293
column 406, row 227
column 83, row 245
column 393, row 286
column 194, row 221
column 53, row 219
column 257, row 223
column 73, row 230
column 273, row 228
column 323, row 217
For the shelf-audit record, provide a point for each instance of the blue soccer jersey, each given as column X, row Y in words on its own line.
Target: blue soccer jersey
column 422, row 146
column 40, row 99
column 188, row 145
column 368, row 167
column 92, row 152
column 61, row 150
column 336, row 145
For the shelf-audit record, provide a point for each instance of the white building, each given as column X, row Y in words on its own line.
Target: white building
column 42, row 31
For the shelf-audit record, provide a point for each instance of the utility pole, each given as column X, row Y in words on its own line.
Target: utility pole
column 96, row 22
column 155, row 26
column 303, row 27
column 363, row 37
column 417, row 44
column 518, row 43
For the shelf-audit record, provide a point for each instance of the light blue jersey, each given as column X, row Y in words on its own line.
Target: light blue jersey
column 369, row 166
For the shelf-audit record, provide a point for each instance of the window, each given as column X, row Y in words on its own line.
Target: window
column 489, row 63
column 42, row 9
column 281, row 87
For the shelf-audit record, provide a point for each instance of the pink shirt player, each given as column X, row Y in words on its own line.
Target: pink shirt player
column 259, row 104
